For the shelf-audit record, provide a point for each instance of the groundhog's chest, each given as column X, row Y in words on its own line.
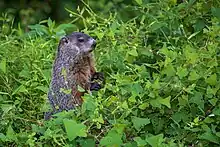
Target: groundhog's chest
column 81, row 76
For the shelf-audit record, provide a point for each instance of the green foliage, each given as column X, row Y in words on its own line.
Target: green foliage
column 162, row 80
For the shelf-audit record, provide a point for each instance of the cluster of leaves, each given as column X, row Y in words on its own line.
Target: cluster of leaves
column 162, row 80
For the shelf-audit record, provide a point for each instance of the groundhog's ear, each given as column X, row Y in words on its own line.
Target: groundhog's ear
column 64, row 40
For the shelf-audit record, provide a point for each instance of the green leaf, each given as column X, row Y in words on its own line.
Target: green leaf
column 136, row 89
column 66, row 91
column 64, row 27
column 133, row 52
column 80, row 89
column 3, row 65
column 155, row 103
column 182, row 72
column 213, row 101
column 213, row 62
column 73, row 129
column 2, row 137
column 20, row 89
column 139, row 122
column 156, row 25
column 6, row 108
column 193, row 76
column 10, row 134
column 143, row 106
column 209, row 137
column 169, row 70
column 216, row 12
column 140, row 142
column 89, row 103
column 165, row 101
column 216, row 111
column 42, row 88
column 212, row 80
column 156, row 84
column 88, row 143
column 139, row 2
column 113, row 138
column 124, row 105
column 197, row 99
column 183, row 100
column 155, row 141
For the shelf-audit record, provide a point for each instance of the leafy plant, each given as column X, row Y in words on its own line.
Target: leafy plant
column 162, row 80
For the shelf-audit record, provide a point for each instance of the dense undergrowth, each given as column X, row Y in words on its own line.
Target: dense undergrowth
column 162, row 80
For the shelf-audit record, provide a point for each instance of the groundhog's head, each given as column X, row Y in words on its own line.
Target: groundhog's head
column 77, row 44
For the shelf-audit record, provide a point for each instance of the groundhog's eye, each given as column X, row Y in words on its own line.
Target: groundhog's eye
column 65, row 40
column 81, row 39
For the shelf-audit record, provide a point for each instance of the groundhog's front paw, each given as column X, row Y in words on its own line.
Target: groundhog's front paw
column 48, row 115
column 98, row 76
column 95, row 86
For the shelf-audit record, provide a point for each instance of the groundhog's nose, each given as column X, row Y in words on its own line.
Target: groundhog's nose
column 93, row 44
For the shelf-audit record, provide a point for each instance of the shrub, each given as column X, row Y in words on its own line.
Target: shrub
column 162, row 80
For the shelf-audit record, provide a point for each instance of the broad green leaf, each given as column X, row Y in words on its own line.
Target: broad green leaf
column 213, row 62
column 216, row 111
column 183, row 100
column 42, row 88
column 3, row 65
column 218, row 134
column 165, row 101
column 132, row 99
column 140, row 142
column 89, row 103
column 10, row 134
column 99, row 35
column 133, row 52
column 213, row 101
column 139, row 2
column 169, row 70
column 6, row 108
column 64, row 27
column 21, row 89
column 156, row 84
column 182, row 72
column 168, row 53
column 210, row 137
column 124, row 105
column 49, row 22
column 74, row 129
column 193, row 76
column 80, row 89
column 155, row 103
column 119, row 128
column 155, row 141
column 2, row 137
column 199, row 25
column 156, row 25
column 212, row 80
column 88, row 143
column 25, row 72
column 113, row 139
column 143, row 106
column 216, row 12
column 139, row 122
column 197, row 99
column 190, row 89
column 136, row 89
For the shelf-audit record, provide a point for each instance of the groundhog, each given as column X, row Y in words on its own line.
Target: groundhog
column 73, row 67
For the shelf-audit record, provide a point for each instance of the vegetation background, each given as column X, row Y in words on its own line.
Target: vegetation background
column 160, row 57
